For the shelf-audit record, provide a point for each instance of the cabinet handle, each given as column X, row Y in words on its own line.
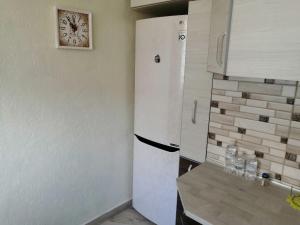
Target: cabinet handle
column 222, row 48
column 218, row 51
column 195, row 112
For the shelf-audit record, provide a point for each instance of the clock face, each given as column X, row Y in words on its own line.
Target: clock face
column 73, row 29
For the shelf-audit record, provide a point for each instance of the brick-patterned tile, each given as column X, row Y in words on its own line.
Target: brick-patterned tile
column 261, row 116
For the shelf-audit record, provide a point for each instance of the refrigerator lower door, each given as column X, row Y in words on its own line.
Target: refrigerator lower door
column 154, row 183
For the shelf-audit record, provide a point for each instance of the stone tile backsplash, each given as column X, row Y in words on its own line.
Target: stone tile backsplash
column 260, row 116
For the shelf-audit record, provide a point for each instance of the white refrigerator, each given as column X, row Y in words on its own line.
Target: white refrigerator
column 159, row 77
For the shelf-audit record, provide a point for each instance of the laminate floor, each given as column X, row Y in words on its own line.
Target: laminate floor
column 127, row 217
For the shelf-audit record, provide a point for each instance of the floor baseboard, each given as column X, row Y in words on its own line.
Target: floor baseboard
column 111, row 213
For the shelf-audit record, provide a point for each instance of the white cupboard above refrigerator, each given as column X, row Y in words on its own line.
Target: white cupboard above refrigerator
column 147, row 3
column 160, row 7
column 139, row 3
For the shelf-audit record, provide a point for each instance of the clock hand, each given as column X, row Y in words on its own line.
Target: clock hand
column 70, row 21
column 73, row 26
column 73, row 18
column 74, row 23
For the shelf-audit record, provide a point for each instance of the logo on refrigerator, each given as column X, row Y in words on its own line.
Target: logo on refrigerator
column 157, row 59
column 181, row 36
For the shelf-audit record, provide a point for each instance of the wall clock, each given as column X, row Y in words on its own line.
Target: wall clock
column 73, row 29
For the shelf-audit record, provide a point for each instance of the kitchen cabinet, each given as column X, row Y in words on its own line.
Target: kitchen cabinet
column 145, row 3
column 159, row 8
column 197, row 83
column 265, row 39
column 219, row 35
column 212, row 196
column 185, row 165
column 139, row 3
column 181, row 218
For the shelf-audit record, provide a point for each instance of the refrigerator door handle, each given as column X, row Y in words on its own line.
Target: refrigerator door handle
column 195, row 112
column 157, row 145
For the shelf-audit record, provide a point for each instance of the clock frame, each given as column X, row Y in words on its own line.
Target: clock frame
column 69, row 32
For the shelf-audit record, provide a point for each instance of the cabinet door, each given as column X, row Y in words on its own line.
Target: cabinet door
column 265, row 39
column 219, row 35
column 197, row 83
column 184, row 166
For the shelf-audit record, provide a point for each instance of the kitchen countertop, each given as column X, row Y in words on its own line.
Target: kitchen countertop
column 212, row 197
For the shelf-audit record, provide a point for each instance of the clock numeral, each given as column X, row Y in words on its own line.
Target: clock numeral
column 68, row 18
column 79, row 19
column 85, row 30
column 74, row 18
column 83, row 24
column 74, row 41
column 79, row 40
column 62, row 28
column 84, row 36
column 65, row 22
column 65, row 34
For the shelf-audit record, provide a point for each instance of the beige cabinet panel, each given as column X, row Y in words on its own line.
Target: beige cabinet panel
column 219, row 35
column 265, row 39
column 197, row 83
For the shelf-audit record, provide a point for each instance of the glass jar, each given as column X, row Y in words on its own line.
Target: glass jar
column 230, row 154
column 251, row 168
column 239, row 164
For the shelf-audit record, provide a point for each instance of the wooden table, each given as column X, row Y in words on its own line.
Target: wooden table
column 212, row 197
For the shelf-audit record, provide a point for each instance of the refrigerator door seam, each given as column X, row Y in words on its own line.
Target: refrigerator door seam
column 157, row 145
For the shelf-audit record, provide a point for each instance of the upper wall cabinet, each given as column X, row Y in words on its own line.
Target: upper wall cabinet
column 219, row 35
column 265, row 39
column 139, row 3
column 145, row 3
column 161, row 7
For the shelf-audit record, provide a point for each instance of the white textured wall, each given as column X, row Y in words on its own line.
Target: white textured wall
column 66, row 117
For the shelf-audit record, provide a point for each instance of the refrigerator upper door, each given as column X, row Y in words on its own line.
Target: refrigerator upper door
column 159, row 76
